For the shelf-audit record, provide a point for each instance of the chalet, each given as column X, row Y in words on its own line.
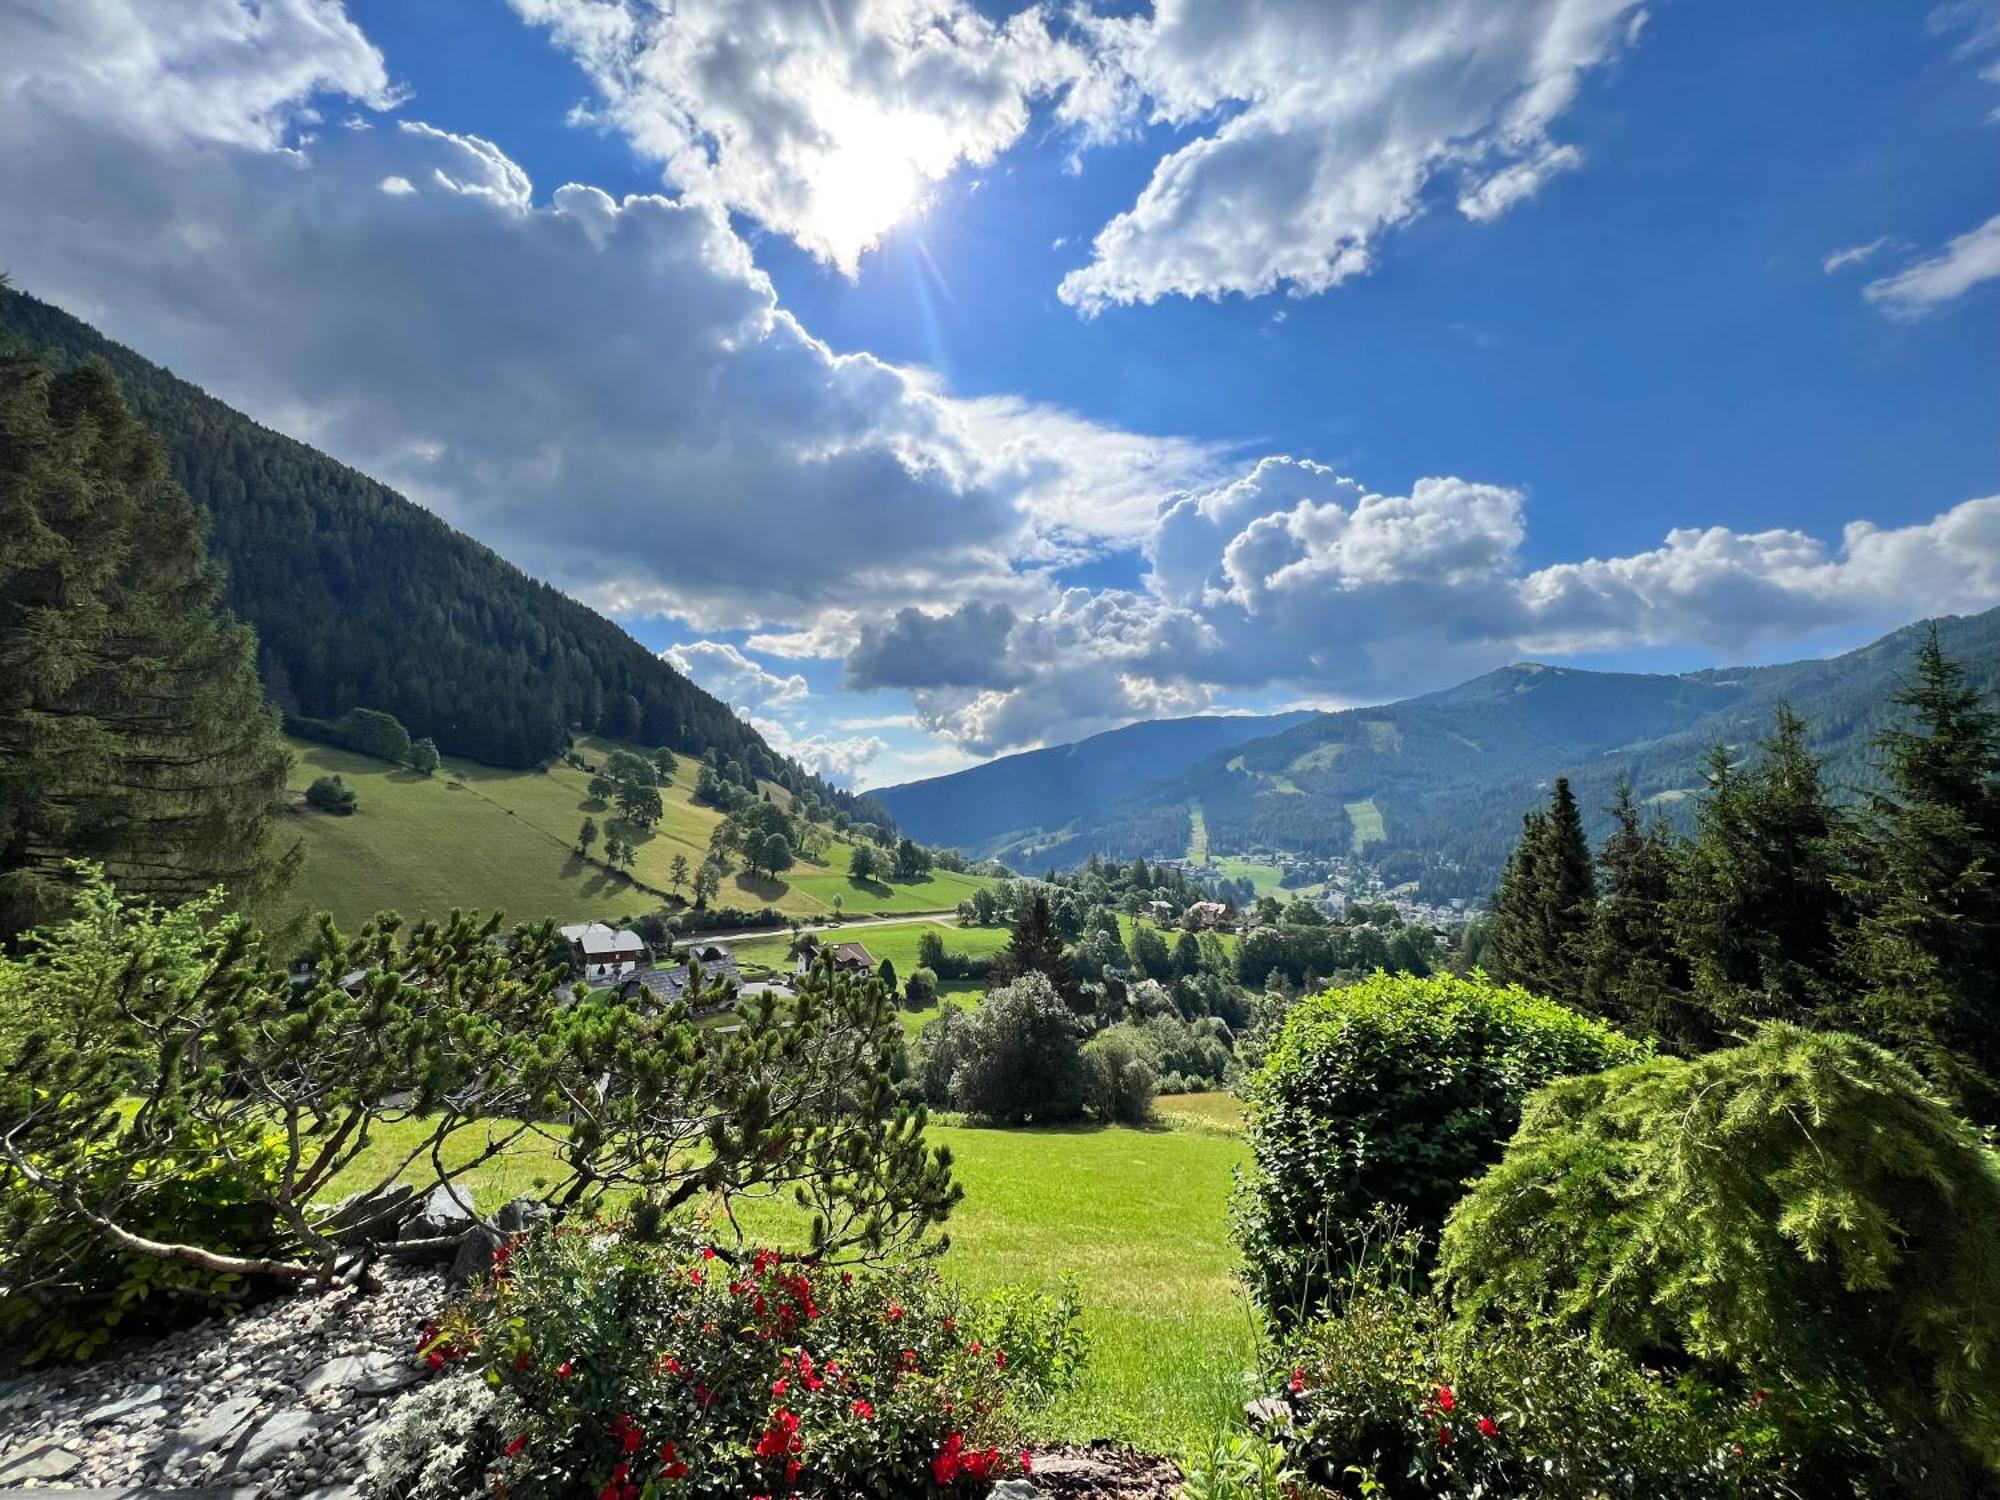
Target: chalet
column 848, row 958
column 1160, row 911
column 604, row 952
column 1212, row 913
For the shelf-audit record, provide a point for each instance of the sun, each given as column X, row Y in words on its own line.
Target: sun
column 866, row 185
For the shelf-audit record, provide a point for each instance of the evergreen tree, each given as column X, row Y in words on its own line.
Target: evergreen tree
column 1757, row 907
column 1926, row 947
column 586, row 836
column 1538, row 936
column 1634, row 975
column 1035, row 946
column 133, row 729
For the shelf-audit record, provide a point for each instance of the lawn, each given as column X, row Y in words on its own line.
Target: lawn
column 895, row 941
column 1229, row 940
column 1138, row 1216
column 1266, row 880
column 482, row 837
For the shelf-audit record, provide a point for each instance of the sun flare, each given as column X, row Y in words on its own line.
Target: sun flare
column 867, row 185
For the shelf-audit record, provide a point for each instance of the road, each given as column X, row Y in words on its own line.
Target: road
column 945, row 918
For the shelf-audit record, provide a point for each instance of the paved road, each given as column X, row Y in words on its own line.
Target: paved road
column 947, row 918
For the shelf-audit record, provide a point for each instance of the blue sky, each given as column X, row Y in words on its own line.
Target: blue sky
column 936, row 381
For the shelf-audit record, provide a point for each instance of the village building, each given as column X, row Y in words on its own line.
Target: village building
column 1212, row 913
column 670, row 986
column 604, row 952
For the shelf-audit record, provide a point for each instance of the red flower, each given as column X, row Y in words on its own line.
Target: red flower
column 623, row 1428
column 708, row 1252
column 781, row 1437
column 1445, row 1400
column 565, row 1370
column 694, row 1274
column 1299, row 1379
column 895, row 1311
column 945, row 1467
column 671, row 1466
column 516, row 1446
column 780, row 1386
column 1027, row 1462
column 999, row 1359
column 1757, row 1397
column 865, row 1410
column 1444, row 1437
column 521, row 1360
column 1488, row 1427
column 792, row 1470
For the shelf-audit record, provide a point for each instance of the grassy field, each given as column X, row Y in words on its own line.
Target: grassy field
column 1265, row 879
column 1229, row 940
column 895, row 941
column 1138, row 1216
column 480, row 837
column 1368, row 826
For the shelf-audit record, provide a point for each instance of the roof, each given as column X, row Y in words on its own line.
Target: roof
column 669, row 986
column 597, row 937
column 853, row 953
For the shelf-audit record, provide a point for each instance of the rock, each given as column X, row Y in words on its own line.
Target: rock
column 1268, row 1414
column 125, row 1406
column 369, row 1374
column 369, row 1216
column 217, row 1426
column 522, row 1215
column 275, row 1437
column 475, row 1254
column 333, row 1492
column 1074, row 1467
column 442, row 1214
column 1016, row 1489
column 48, row 1461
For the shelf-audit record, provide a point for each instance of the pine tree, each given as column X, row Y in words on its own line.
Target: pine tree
column 1634, row 975
column 1540, row 926
column 1035, row 946
column 1757, row 906
column 133, row 729
column 1926, row 948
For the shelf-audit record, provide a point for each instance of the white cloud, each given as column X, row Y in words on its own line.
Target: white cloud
column 840, row 759
column 1854, row 255
column 1297, row 578
column 1322, row 126
column 829, row 122
column 1964, row 263
column 175, row 73
column 725, row 671
column 397, row 187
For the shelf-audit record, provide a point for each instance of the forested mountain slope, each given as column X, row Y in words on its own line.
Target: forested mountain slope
column 998, row 807
column 1434, row 787
column 361, row 597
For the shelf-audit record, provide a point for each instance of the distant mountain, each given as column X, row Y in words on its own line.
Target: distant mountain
column 1002, row 808
column 362, row 598
column 1433, row 788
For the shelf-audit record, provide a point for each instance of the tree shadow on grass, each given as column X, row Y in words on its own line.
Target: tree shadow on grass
column 763, row 887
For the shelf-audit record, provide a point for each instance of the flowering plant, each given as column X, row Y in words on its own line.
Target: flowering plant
column 641, row 1368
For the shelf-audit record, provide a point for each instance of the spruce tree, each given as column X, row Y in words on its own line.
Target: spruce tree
column 1926, row 948
column 1540, row 927
column 1035, row 946
column 1757, row 906
column 133, row 728
column 1634, row 975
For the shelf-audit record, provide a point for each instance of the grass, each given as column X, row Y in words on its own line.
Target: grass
column 1265, row 879
column 1207, row 1111
column 1138, row 1216
column 1368, row 826
column 1197, row 849
column 895, row 941
column 1171, row 934
column 477, row 836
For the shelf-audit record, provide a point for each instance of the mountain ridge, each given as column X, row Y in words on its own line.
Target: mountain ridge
column 1432, row 788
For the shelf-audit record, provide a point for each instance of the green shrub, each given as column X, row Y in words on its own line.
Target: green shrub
column 920, row 990
column 72, row 1291
column 331, row 794
column 625, row 1367
column 1021, row 1059
column 1386, row 1398
column 1396, row 1090
column 1124, row 1075
column 1042, row 1334
column 1796, row 1213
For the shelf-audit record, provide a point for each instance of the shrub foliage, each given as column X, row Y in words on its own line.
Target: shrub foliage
column 1395, row 1090
column 627, row 1365
column 1797, row 1212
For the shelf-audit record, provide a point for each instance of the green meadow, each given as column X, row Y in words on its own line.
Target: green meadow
column 1139, row 1217
column 475, row 836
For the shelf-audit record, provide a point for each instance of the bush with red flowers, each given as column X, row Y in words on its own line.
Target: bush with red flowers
column 1385, row 1390
column 641, row 1368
